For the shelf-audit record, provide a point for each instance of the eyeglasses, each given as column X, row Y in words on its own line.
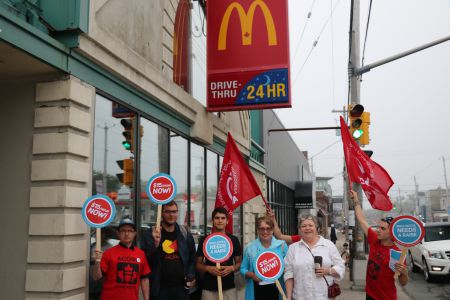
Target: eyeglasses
column 267, row 229
column 387, row 220
column 173, row 212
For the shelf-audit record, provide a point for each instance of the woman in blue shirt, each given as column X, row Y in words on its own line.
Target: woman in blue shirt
column 255, row 287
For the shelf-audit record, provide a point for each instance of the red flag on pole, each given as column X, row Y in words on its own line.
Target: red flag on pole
column 236, row 183
column 374, row 179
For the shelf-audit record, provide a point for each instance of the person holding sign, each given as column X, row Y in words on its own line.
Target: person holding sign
column 170, row 251
column 227, row 268
column 124, row 267
column 379, row 277
column 311, row 264
column 255, row 287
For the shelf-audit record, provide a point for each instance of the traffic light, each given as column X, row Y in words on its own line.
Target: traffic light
column 359, row 124
column 128, row 133
column 127, row 165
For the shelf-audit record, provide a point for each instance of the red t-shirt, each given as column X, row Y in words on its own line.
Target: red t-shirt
column 123, row 269
column 296, row 238
column 380, row 282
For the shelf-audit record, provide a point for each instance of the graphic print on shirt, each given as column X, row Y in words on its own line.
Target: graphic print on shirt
column 374, row 266
column 170, row 249
column 127, row 273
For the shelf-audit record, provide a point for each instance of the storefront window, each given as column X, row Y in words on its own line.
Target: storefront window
column 197, row 191
column 154, row 158
column 113, row 167
column 179, row 171
column 211, row 180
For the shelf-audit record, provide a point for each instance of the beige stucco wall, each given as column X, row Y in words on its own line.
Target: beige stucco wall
column 139, row 51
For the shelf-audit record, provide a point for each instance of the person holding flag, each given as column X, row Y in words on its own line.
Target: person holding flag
column 220, row 219
column 380, row 282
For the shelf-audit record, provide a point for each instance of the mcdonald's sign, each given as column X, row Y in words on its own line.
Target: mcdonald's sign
column 248, row 54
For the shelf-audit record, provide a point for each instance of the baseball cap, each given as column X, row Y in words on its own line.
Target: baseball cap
column 127, row 221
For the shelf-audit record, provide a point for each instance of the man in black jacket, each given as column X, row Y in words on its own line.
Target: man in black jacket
column 170, row 253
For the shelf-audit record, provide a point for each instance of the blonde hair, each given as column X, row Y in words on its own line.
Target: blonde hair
column 266, row 220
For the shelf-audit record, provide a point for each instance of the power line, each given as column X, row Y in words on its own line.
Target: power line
column 308, row 17
column 316, row 41
column 367, row 31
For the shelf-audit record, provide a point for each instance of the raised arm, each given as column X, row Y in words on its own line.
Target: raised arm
column 359, row 212
column 277, row 231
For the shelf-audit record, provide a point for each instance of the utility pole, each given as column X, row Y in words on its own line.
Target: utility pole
column 446, row 184
column 105, row 156
column 359, row 263
column 416, row 189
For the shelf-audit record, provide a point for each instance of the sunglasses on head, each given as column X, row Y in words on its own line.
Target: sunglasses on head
column 387, row 220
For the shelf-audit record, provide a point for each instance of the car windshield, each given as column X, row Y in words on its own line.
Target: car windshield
column 437, row 233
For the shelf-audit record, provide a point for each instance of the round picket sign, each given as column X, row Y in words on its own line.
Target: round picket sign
column 269, row 265
column 217, row 247
column 407, row 230
column 98, row 211
column 161, row 188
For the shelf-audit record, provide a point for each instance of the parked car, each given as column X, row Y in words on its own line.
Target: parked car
column 432, row 255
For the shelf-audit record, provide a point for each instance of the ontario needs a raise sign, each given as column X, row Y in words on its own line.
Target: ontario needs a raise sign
column 248, row 55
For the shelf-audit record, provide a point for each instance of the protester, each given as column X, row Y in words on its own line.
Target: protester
column 170, row 251
column 124, row 267
column 256, row 288
column 380, row 282
column 303, row 279
column 227, row 268
column 333, row 236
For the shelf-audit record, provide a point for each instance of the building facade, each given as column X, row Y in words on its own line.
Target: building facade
column 98, row 96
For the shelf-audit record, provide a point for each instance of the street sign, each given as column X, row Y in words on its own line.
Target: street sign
column 269, row 266
column 98, row 211
column 407, row 230
column 161, row 188
column 217, row 247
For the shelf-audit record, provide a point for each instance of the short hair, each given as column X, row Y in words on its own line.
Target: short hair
column 309, row 217
column 171, row 203
column 266, row 220
column 219, row 210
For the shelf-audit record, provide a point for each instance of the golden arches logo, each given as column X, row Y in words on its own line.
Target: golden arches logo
column 246, row 19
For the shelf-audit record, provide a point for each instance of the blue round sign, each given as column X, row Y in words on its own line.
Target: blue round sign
column 98, row 211
column 407, row 230
column 217, row 247
column 269, row 266
column 161, row 188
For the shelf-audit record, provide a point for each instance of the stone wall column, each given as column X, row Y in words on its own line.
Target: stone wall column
column 58, row 252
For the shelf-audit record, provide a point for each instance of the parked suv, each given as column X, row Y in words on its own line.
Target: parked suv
column 432, row 255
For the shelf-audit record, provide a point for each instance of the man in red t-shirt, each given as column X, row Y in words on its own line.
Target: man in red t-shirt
column 124, row 267
column 380, row 283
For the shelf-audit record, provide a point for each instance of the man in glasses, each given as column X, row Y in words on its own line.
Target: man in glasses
column 170, row 251
column 379, row 277
column 124, row 267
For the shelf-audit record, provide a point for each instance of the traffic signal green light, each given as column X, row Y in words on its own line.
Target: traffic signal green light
column 127, row 165
column 359, row 123
column 128, row 133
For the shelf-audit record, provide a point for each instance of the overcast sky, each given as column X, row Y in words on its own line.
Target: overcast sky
column 409, row 99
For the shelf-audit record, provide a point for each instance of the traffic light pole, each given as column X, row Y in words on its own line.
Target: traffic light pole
column 358, row 259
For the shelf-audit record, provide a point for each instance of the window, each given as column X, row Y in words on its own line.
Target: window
column 197, row 191
column 179, row 171
column 281, row 199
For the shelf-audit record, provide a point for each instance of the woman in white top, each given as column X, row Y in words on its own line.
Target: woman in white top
column 302, row 279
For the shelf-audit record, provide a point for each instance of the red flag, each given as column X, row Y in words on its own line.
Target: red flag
column 236, row 184
column 374, row 179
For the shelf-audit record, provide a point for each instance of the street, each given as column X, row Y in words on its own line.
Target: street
column 419, row 289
